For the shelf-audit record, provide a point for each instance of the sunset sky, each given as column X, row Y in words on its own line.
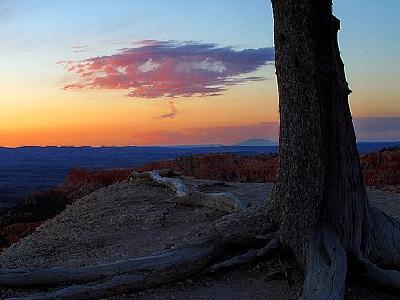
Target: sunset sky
column 155, row 72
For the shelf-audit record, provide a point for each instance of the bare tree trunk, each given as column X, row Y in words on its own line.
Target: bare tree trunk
column 319, row 179
column 325, row 214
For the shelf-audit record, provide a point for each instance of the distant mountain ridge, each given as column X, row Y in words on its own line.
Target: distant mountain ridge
column 256, row 143
column 24, row 170
column 364, row 146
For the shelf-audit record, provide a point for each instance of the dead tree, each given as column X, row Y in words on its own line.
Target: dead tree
column 319, row 210
column 326, row 219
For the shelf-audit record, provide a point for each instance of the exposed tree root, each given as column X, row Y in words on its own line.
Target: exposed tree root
column 378, row 276
column 149, row 272
column 326, row 269
column 226, row 202
column 159, row 177
column 174, row 266
column 61, row 276
column 384, row 246
column 248, row 257
column 238, row 238
column 377, row 262
column 232, row 236
column 273, row 245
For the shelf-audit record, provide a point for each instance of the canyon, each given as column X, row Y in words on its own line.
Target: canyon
column 381, row 170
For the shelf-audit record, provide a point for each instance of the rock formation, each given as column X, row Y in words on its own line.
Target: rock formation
column 381, row 170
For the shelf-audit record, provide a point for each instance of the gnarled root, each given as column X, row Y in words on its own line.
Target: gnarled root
column 226, row 202
column 377, row 262
column 60, row 276
column 326, row 268
column 159, row 176
column 236, row 239
column 182, row 264
column 146, row 272
column 248, row 257
column 384, row 244
column 375, row 275
column 233, row 235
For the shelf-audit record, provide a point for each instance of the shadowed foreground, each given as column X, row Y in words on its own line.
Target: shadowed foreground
column 128, row 220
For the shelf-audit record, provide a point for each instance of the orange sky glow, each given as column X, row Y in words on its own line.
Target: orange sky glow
column 146, row 73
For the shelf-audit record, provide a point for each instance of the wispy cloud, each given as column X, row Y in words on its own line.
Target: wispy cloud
column 153, row 69
column 172, row 112
column 81, row 48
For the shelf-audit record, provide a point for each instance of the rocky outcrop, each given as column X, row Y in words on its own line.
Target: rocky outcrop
column 13, row 233
column 222, row 166
column 40, row 206
column 381, row 169
column 77, row 184
column 231, row 167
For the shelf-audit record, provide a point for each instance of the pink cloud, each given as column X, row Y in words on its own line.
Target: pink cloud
column 154, row 69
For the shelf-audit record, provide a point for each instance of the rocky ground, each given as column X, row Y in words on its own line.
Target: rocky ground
column 128, row 220
column 114, row 223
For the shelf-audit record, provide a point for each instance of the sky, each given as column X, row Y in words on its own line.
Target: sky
column 157, row 72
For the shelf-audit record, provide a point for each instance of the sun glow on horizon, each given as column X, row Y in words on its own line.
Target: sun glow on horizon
column 157, row 74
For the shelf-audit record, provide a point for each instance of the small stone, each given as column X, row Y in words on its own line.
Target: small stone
column 208, row 284
column 167, row 246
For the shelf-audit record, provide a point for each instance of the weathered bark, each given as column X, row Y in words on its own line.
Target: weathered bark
column 319, row 178
column 326, row 219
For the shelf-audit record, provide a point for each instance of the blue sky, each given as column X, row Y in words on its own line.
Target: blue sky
column 369, row 38
column 37, row 34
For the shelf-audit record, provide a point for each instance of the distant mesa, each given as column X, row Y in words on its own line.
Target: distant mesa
column 195, row 146
column 256, row 142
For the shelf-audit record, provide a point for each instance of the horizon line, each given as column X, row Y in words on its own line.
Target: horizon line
column 171, row 146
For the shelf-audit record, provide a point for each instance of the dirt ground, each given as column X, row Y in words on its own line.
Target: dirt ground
column 127, row 220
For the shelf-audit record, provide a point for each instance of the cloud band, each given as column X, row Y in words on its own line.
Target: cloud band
column 154, row 69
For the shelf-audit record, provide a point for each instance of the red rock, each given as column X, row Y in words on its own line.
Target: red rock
column 13, row 233
column 381, row 169
column 40, row 206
